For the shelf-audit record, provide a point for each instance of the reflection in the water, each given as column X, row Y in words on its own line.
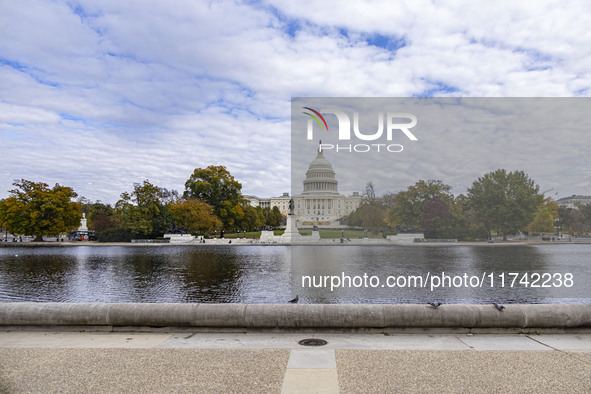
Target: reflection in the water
column 273, row 274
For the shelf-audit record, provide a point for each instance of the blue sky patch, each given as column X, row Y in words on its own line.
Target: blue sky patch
column 437, row 89
column 389, row 43
column 13, row 64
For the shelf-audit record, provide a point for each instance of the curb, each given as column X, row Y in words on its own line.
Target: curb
column 295, row 316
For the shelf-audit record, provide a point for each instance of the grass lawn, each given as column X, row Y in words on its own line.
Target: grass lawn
column 251, row 234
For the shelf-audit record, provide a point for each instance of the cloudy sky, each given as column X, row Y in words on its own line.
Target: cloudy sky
column 455, row 140
column 98, row 95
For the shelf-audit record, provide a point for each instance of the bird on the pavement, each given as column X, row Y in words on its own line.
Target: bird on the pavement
column 435, row 304
column 499, row 306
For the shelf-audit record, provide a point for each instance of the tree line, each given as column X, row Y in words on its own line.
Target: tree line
column 499, row 202
column 212, row 202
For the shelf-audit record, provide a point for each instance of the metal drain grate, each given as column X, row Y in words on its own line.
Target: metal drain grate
column 312, row 342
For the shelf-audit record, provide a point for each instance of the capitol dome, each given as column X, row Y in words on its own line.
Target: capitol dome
column 320, row 177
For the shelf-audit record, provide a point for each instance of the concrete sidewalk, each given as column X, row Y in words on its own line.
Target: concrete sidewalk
column 51, row 361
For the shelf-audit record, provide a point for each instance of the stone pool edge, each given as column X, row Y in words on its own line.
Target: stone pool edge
column 517, row 317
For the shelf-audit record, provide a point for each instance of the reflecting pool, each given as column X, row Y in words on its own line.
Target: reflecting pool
column 318, row 274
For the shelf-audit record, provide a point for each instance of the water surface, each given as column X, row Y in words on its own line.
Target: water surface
column 273, row 274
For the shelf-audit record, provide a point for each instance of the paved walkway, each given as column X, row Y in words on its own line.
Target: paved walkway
column 78, row 362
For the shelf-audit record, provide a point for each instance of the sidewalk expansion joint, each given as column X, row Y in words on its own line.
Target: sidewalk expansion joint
column 565, row 352
column 460, row 339
column 542, row 343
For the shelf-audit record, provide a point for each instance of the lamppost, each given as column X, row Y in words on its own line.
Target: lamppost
column 558, row 226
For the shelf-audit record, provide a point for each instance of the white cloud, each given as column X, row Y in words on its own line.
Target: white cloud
column 100, row 94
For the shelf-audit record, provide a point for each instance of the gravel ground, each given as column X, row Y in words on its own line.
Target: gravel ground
column 131, row 370
column 141, row 370
column 374, row 371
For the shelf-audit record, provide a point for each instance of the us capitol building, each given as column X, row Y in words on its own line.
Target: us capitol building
column 320, row 203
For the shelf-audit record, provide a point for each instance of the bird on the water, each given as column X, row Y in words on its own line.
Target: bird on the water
column 435, row 304
column 295, row 300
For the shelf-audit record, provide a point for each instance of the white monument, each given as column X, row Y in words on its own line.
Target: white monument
column 83, row 226
column 268, row 236
column 179, row 238
column 291, row 231
column 406, row 238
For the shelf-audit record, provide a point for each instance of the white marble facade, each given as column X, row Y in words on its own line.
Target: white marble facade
column 320, row 202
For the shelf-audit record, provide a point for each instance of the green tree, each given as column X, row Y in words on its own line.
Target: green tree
column 437, row 219
column 407, row 206
column 275, row 218
column 230, row 214
column 468, row 225
column 143, row 211
column 543, row 221
column 100, row 216
column 253, row 218
column 505, row 202
column 369, row 216
column 216, row 186
column 272, row 217
column 102, row 221
column 195, row 215
column 35, row 209
column 370, row 213
column 575, row 220
column 388, row 200
column 266, row 215
column 262, row 219
column 585, row 210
